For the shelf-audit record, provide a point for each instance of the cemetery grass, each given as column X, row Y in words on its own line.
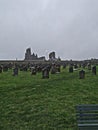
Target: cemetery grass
column 32, row 103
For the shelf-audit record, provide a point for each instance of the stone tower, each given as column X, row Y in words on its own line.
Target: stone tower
column 28, row 54
column 52, row 56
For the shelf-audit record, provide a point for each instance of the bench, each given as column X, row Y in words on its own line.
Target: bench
column 87, row 116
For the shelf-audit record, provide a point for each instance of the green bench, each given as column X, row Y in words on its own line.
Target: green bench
column 87, row 116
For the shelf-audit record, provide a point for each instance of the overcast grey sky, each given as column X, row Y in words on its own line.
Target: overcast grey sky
column 68, row 27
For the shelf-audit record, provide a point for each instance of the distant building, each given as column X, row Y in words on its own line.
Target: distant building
column 29, row 56
column 52, row 57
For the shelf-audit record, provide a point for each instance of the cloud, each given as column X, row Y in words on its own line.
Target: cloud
column 68, row 27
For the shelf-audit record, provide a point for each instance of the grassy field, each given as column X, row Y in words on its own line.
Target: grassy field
column 32, row 103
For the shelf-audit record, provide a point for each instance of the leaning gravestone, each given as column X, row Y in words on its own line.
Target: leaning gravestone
column 82, row 74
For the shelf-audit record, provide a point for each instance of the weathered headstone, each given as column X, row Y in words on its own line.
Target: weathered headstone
column 94, row 70
column 15, row 71
column 45, row 73
column 33, row 71
column 71, row 69
column 5, row 68
column 75, row 66
column 82, row 74
column 83, row 65
column 0, row 69
column 53, row 69
column 58, row 69
column 80, row 65
column 89, row 66
column 64, row 66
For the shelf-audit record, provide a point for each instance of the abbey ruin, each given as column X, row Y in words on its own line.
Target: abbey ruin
column 30, row 56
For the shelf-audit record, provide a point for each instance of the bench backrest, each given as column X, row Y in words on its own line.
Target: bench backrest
column 87, row 116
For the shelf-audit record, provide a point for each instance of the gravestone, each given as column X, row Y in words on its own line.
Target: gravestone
column 80, row 65
column 89, row 66
column 53, row 69
column 5, row 68
column 71, row 69
column 64, row 66
column 58, row 70
column 33, row 71
column 23, row 68
column 0, row 69
column 15, row 71
column 45, row 72
column 75, row 66
column 83, row 65
column 82, row 74
column 39, row 68
column 94, row 70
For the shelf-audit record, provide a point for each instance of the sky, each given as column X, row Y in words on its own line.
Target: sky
column 68, row 27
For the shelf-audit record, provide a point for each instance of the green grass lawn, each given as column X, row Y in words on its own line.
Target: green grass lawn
column 32, row 103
